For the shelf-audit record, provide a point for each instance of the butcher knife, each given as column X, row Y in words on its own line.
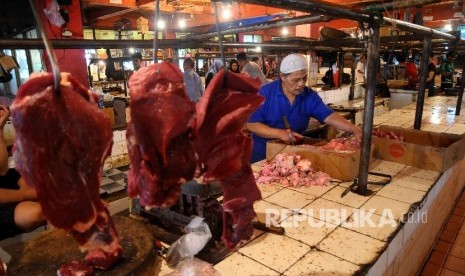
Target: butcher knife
column 288, row 128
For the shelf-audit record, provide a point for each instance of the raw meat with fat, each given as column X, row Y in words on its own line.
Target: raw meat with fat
column 61, row 142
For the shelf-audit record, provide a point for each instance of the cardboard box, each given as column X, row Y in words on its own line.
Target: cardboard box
column 423, row 149
column 342, row 166
column 111, row 114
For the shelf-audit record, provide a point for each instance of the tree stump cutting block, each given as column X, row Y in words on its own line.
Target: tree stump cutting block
column 45, row 254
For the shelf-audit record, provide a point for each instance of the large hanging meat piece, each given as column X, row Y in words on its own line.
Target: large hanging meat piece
column 170, row 140
column 160, row 135
column 62, row 139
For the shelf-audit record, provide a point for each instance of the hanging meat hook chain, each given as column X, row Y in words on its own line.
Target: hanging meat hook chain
column 155, row 29
column 48, row 47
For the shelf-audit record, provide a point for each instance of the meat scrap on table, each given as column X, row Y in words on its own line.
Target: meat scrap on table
column 337, row 145
column 171, row 140
column 62, row 139
column 289, row 169
column 388, row 135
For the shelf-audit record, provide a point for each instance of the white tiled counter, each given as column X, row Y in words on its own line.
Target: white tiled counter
column 418, row 200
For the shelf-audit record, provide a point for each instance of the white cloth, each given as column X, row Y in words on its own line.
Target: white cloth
column 293, row 63
column 360, row 77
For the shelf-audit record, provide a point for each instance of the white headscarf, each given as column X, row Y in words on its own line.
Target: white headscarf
column 215, row 68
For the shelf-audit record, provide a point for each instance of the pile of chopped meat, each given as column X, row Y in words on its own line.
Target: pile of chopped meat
column 291, row 170
column 337, row 145
column 62, row 139
column 388, row 135
column 171, row 140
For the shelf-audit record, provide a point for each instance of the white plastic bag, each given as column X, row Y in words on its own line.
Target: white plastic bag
column 181, row 253
column 53, row 14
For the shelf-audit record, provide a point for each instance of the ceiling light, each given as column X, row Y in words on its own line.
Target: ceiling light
column 161, row 24
column 447, row 27
column 258, row 49
column 227, row 13
column 182, row 23
column 131, row 50
column 284, row 31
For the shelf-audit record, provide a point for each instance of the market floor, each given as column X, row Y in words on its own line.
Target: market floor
column 448, row 255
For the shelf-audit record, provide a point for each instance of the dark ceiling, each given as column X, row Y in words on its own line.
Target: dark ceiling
column 15, row 17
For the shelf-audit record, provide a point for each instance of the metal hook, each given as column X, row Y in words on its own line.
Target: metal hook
column 220, row 42
column 48, row 47
column 155, row 29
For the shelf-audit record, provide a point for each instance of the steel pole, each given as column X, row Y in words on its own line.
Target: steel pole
column 371, row 71
column 422, row 84
column 352, row 79
column 460, row 97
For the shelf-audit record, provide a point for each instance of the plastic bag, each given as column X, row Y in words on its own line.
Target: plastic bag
column 193, row 267
column 198, row 234
column 53, row 14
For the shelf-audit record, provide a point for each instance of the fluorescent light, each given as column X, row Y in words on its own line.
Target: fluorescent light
column 182, row 23
column 131, row 50
column 161, row 24
column 258, row 49
column 284, row 31
column 448, row 27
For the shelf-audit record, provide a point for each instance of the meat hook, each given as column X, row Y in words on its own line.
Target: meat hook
column 220, row 42
column 48, row 47
column 155, row 29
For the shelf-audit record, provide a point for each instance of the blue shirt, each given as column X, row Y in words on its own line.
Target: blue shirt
column 193, row 84
column 307, row 104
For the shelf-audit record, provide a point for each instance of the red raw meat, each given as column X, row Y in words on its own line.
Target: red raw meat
column 75, row 268
column 61, row 142
column 168, row 144
column 160, row 135
column 2, row 269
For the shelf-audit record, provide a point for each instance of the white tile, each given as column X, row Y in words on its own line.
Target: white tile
column 395, row 246
column 401, row 194
column 238, row 264
column 380, row 266
column 290, row 199
column 328, row 211
column 420, row 173
column 317, row 262
column 351, row 199
column 308, row 230
column 386, row 167
column 352, row 246
column 386, row 206
column 315, row 191
column 414, row 183
column 268, row 189
column 370, row 224
column 268, row 211
column 275, row 251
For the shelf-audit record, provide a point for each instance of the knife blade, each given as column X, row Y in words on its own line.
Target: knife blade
column 288, row 128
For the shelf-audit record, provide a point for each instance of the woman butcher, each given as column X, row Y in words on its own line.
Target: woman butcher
column 288, row 97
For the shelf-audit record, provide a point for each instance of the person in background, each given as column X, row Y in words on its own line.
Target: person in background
column 234, row 66
column 447, row 71
column 136, row 61
column 192, row 81
column 411, row 73
column 360, row 76
column 289, row 97
column 431, row 75
column 250, row 68
column 19, row 210
column 214, row 69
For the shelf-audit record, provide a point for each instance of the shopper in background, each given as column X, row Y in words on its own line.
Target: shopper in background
column 411, row 73
column 250, row 68
column 359, row 76
column 447, row 71
column 136, row 60
column 431, row 75
column 289, row 97
column 192, row 81
column 234, row 66
column 214, row 69
column 19, row 210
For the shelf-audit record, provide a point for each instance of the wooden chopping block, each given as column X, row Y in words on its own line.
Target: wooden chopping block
column 45, row 254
